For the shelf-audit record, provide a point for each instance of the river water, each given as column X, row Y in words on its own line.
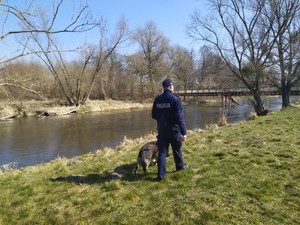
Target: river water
column 30, row 141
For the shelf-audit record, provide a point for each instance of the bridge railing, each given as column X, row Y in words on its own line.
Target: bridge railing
column 205, row 90
column 233, row 91
column 220, row 90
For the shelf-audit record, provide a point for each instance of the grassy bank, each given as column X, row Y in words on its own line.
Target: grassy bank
column 247, row 173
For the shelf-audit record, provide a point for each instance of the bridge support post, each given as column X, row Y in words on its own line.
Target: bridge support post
column 226, row 103
column 222, row 120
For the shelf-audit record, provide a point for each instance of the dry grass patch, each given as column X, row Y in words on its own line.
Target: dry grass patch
column 32, row 108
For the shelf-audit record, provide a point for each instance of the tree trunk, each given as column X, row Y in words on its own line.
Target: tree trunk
column 285, row 91
column 285, row 100
column 142, row 94
column 258, row 105
column 102, row 89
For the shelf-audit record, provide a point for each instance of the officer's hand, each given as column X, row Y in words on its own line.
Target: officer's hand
column 183, row 137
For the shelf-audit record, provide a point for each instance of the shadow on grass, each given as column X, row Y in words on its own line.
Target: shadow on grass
column 124, row 172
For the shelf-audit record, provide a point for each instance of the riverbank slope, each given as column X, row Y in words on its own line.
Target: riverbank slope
column 247, row 173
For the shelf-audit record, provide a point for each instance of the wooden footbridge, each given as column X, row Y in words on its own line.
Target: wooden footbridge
column 226, row 92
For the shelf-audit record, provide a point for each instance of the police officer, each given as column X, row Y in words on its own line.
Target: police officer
column 168, row 112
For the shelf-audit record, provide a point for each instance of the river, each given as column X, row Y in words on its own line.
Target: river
column 30, row 141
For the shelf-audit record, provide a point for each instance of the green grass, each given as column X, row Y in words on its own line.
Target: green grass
column 247, row 173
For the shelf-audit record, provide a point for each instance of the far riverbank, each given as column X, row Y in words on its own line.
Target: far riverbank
column 43, row 108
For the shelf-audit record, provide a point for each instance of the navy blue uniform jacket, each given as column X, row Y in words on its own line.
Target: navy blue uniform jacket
column 167, row 110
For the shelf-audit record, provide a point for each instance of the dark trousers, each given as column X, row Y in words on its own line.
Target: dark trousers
column 163, row 142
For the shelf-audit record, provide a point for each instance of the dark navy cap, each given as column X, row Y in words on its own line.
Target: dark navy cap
column 167, row 83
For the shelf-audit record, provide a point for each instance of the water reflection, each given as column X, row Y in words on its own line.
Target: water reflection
column 31, row 141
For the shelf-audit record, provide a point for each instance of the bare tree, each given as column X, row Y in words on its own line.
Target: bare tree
column 286, row 55
column 153, row 45
column 111, row 82
column 107, row 47
column 34, row 21
column 137, row 70
column 182, row 67
column 24, row 80
column 76, row 86
column 212, row 71
column 35, row 25
column 241, row 33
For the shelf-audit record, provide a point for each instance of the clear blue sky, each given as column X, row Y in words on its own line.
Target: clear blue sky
column 170, row 16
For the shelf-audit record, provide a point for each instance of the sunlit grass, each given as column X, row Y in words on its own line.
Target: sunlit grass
column 247, row 173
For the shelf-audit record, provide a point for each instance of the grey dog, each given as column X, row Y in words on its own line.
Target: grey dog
column 148, row 154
